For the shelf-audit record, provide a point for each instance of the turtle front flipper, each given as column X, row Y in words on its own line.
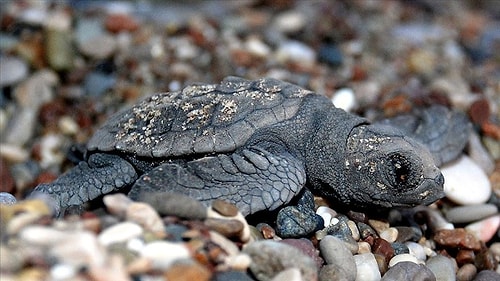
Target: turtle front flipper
column 253, row 179
column 101, row 174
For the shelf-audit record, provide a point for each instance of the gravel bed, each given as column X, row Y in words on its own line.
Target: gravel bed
column 66, row 66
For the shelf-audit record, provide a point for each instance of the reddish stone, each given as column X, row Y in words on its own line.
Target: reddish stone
column 7, row 183
column 491, row 129
column 465, row 256
column 459, row 237
column 479, row 111
column 45, row 177
column 382, row 247
column 267, row 231
column 187, row 272
column 397, row 105
column 306, row 247
column 116, row 23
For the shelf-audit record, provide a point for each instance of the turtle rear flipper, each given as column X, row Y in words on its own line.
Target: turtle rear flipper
column 253, row 179
column 100, row 174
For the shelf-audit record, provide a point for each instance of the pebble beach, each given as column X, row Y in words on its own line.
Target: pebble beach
column 67, row 66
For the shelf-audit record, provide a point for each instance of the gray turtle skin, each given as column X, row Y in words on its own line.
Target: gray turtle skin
column 256, row 144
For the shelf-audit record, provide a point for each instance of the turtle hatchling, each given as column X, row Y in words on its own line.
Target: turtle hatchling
column 258, row 144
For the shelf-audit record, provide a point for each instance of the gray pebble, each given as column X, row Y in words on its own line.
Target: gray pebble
column 400, row 248
column 335, row 253
column 442, row 267
column 269, row 258
column 470, row 213
column 230, row 276
column 7, row 198
column 13, row 70
column 487, row 275
column 408, row 271
column 295, row 222
column 332, row 272
column 175, row 204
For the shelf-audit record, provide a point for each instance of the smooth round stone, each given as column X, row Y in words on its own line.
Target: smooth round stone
column 344, row 98
column 366, row 267
column 290, row 274
column 416, row 250
column 335, row 252
column 400, row 248
column 470, row 213
column 7, row 198
column 231, row 275
column 13, row 70
column 307, row 247
column 144, row 215
column 485, row 229
column 269, row 258
column 408, row 271
column 163, row 253
column 390, row 235
column 120, row 232
column 117, row 204
column 79, row 249
column 465, row 183
column 296, row 51
column 403, row 258
column 466, row 272
column 487, row 275
column 289, row 22
column 327, row 214
column 442, row 267
column 331, row 272
column 98, row 47
column 224, row 208
column 175, row 204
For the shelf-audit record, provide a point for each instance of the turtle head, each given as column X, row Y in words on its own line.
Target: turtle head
column 388, row 169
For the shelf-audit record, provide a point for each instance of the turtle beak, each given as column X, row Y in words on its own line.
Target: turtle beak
column 432, row 190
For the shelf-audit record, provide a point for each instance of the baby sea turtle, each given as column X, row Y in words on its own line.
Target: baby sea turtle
column 256, row 144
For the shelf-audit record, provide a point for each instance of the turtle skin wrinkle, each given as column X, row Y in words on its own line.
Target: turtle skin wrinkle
column 256, row 144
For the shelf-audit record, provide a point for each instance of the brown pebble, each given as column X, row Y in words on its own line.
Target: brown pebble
column 479, row 111
column 224, row 208
column 382, row 263
column 465, row 256
column 459, row 237
column 266, row 230
column 382, row 247
column 485, row 260
column 491, row 129
column 120, row 22
column 187, row 272
column 7, row 182
column 467, row 272
column 228, row 228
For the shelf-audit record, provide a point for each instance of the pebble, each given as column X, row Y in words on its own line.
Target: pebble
column 224, row 208
column 366, row 267
column 383, row 248
column 7, row 198
column 164, row 253
column 290, row 274
column 295, row 51
column 99, row 47
column 231, row 275
column 295, row 222
column 487, row 275
column 470, row 213
column 390, row 234
column 269, row 258
column 117, row 204
column 442, row 267
column 306, row 247
column 335, row 253
column 79, row 249
column 147, row 217
column 13, row 70
column 400, row 248
column 228, row 228
column 485, row 229
column 120, row 232
column 457, row 238
column 175, row 204
column 244, row 234
column 97, row 83
column 466, row 273
column 327, row 213
column 416, row 250
column 344, row 98
column 187, row 271
column 330, row 54
column 116, row 23
column 13, row 153
column 331, row 272
column 408, row 271
column 403, row 258
column 289, row 21
column 465, row 183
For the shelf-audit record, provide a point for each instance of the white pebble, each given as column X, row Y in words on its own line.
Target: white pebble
column 296, row 52
column 344, row 98
column 367, row 267
column 12, row 69
column 163, row 253
column 120, row 232
column 465, row 183
column 51, row 153
column 390, row 235
column 416, row 250
column 144, row 215
column 364, row 247
column 62, row 271
column 13, row 153
column 117, row 204
column 255, row 46
column 291, row 21
column 289, row 274
column 403, row 257
column 485, row 229
column 79, row 249
column 68, row 125
column 327, row 214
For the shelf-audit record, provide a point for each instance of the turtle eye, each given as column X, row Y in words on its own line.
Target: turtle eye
column 400, row 170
